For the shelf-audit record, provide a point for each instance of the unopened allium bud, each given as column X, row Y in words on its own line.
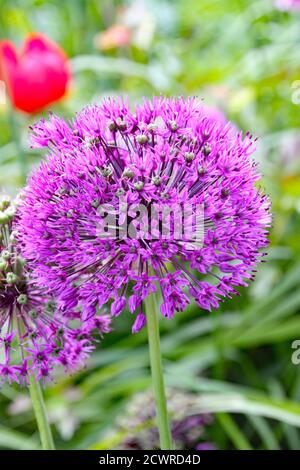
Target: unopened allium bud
column 4, row 218
column 156, row 180
column 22, row 299
column 122, row 125
column 206, row 149
column 189, row 156
column 142, row 139
column 173, row 126
column 128, row 173
column 6, row 255
column 11, row 278
column 112, row 126
column 4, row 202
column 3, row 264
column 189, row 428
column 139, row 185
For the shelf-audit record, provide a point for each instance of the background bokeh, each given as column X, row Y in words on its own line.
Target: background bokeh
column 244, row 58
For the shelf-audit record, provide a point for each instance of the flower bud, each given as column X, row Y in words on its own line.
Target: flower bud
column 11, row 278
column 139, row 185
column 4, row 218
column 142, row 139
column 6, row 255
column 128, row 173
column 22, row 299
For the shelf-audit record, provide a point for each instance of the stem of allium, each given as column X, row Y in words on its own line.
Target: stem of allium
column 40, row 412
column 21, row 155
column 157, row 373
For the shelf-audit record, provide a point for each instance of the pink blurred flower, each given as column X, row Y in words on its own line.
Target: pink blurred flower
column 288, row 4
column 114, row 37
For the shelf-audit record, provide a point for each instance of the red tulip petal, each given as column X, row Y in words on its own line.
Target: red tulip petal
column 8, row 63
column 40, row 81
column 38, row 76
column 38, row 42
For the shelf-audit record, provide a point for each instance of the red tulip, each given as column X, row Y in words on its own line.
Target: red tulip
column 37, row 76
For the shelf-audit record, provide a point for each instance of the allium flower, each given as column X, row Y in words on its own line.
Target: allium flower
column 36, row 76
column 288, row 4
column 188, row 426
column 34, row 335
column 168, row 154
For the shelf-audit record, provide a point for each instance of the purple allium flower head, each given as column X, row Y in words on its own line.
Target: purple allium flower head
column 169, row 154
column 189, row 428
column 288, row 4
column 34, row 335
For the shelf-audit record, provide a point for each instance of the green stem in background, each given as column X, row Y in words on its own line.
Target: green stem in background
column 40, row 412
column 38, row 405
column 157, row 373
column 16, row 135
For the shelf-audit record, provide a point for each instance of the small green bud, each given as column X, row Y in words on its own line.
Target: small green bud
column 50, row 305
column 33, row 313
column 6, row 255
column 120, row 192
column 122, row 126
column 94, row 141
column 173, row 126
column 189, row 156
column 57, row 350
column 156, row 180
column 11, row 278
column 80, row 336
column 152, row 127
column 201, row 171
column 165, row 196
column 128, row 173
column 3, row 264
column 142, row 139
column 4, row 218
column 206, row 149
column 22, row 299
column 4, row 202
column 106, row 172
column 62, row 191
column 95, row 203
column 225, row 192
column 139, row 185
column 112, row 126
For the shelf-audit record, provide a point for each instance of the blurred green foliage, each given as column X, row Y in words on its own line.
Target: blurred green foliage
column 244, row 57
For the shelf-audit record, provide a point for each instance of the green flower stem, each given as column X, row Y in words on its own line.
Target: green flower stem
column 157, row 373
column 16, row 135
column 40, row 412
column 39, row 407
